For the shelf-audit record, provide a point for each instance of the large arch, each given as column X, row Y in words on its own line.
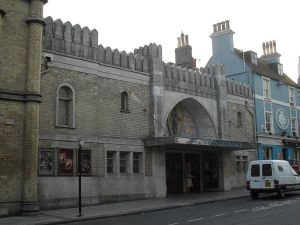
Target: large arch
column 189, row 118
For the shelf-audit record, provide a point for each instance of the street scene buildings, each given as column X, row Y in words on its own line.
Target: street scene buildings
column 145, row 128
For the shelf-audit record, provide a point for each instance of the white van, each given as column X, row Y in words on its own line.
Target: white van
column 271, row 176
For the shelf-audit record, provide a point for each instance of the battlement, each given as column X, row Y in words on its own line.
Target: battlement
column 191, row 81
column 237, row 88
column 64, row 38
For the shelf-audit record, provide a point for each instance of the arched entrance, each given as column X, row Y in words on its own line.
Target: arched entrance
column 188, row 118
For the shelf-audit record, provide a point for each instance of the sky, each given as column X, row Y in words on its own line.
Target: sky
column 129, row 24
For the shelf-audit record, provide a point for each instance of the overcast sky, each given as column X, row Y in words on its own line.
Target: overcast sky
column 129, row 24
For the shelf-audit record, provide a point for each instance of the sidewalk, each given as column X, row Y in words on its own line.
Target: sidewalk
column 121, row 208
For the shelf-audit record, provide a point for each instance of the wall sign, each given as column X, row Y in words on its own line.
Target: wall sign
column 282, row 119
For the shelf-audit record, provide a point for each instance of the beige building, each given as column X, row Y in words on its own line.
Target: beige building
column 145, row 123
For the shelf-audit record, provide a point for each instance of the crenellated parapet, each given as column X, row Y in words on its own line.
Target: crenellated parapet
column 237, row 88
column 191, row 81
column 64, row 38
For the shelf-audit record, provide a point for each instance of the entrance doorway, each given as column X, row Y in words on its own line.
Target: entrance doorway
column 193, row 161
column 174, row 173
column 210, row 170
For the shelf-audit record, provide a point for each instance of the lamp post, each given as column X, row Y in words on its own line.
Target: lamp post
column 80, row 143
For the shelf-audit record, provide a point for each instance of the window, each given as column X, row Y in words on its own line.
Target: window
column 266, row 87
column 268, row 121
column 280, row 69
column 124, row 162
column 110, row 162
column 65, row 106
column 293, row 127
column 239, row 119
column 124, row 102
column 137, row 162
column 267, row 153
column 266, row 170
column 238, row 167
column 66, row 162
column 244, row 163
column 255, row 171
column 253, row 58
column 46, row 162
column 292, row 96
column 296, row 156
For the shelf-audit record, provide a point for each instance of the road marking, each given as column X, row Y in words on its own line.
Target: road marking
column 189, row 221
column 172, row 223
column 242, row 210
column 219, row 215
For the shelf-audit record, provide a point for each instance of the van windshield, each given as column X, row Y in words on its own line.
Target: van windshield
column 255, row 170
column 266, row 170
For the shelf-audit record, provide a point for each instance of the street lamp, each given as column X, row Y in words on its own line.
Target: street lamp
column 80, row 143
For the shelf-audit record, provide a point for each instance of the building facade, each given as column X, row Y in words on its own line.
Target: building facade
column 276, row 95
column 145, row 123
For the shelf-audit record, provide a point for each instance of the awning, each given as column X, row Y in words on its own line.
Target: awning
column 200, row 143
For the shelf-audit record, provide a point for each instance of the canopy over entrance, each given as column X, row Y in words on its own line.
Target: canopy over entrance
column 198, row 144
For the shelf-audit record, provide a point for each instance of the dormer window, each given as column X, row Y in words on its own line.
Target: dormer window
column 253, row 56
column 280, row 69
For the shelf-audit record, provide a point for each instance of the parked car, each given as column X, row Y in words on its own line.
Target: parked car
column 265, row 176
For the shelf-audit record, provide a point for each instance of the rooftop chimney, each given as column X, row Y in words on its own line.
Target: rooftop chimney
column 222, row 38
column 183, row 52
column 270, row 53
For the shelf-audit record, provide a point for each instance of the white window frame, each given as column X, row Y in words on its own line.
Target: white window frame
column 292, row 97
column 266, row 88
column 268, row 122
column 294, row 127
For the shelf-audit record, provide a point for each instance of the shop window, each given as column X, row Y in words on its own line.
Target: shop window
column 137, row 158
column 65, row 106
column 124, row 102
column 46, row 162
column 86, row 168
column 124, row 156
column 66, row 162
column 241, row 163
column 267, row 153
column 111, row 162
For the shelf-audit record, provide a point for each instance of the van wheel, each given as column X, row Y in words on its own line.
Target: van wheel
column 281, row 193
column 254, row 194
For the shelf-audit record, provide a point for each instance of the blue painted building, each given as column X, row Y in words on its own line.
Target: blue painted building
column 277, row 97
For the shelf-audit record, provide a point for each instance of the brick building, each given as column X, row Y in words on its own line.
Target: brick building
column 142, row 120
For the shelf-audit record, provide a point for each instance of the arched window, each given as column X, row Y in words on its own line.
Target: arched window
column 65, row 106
column 124, row 102
column 239, row 119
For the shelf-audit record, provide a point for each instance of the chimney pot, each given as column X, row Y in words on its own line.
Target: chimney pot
column 264, row 48
column 274, row 46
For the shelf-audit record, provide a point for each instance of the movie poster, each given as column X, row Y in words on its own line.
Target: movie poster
column 46, row 162
column 66, row 162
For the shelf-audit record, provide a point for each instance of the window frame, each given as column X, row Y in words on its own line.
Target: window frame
column 124, row 102
column 122, row 160
column 270, row 123
column 239, row 119
column 292, row 96
column 139, row 162
column 294, row 127
column 113, row 162
column 266, row 88
column 71, row 113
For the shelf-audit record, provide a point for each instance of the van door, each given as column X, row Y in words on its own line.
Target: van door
column 267, row 176
column 255, row 178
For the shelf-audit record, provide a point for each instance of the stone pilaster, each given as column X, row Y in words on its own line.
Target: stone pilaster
column 35, row 23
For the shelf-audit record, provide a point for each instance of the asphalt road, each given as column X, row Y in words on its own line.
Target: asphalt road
column 268, row 209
